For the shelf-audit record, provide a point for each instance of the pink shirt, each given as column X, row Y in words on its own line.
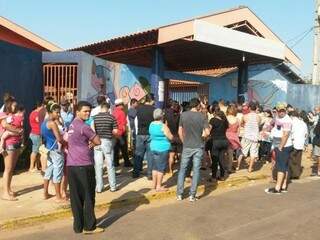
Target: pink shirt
column 16, row 121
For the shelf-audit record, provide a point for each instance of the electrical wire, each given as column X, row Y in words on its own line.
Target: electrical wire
column 292, row 39
column 301, row 38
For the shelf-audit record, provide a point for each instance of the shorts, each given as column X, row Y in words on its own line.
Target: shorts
column 36, row 142
column 282, row 159
column 43, row 150
column 159, row 161
column 176, row 148
column 55, row 164
column 251, row 147
column 13, row 147
column 176, row 145
column 316, row 151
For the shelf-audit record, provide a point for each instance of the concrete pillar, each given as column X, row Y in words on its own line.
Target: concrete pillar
column 157, row 74
column 243, row 82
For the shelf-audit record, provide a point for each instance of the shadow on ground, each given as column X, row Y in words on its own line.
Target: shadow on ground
column 114, row 213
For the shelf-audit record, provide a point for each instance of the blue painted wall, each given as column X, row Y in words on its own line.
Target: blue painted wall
column 21, row 76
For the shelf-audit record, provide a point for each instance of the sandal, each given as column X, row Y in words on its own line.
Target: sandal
column 10, row 198
column 162, row 189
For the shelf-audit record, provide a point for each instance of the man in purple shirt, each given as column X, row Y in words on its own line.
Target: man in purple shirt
column 81, row 174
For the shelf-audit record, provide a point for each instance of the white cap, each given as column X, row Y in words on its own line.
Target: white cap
column 118, row 101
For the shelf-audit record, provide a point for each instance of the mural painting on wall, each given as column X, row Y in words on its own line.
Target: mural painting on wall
column 119, row 81
column 101, row 81
column 268, row 93
column 134, row 83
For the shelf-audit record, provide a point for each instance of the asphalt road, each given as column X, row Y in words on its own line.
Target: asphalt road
column 241, row 214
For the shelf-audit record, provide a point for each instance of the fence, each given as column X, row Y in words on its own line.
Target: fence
column 60, row 81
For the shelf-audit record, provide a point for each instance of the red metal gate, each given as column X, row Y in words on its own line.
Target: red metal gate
column 60, row 81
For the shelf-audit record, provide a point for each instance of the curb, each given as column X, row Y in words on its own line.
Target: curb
column 120, row 203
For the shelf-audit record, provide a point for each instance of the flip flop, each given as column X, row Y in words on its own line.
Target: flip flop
column 162, row 190
column 62, row 201
column 11, row 198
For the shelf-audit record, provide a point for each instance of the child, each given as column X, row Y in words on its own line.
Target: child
column 16, row 120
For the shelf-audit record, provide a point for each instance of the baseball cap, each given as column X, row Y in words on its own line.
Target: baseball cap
column 281, row 106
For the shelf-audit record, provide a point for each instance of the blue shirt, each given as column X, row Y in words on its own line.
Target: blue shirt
column 67, row 118
column 48, row 136
column 159, row 142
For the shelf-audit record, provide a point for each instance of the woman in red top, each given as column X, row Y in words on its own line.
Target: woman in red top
column 11, row 154
column 35, row 136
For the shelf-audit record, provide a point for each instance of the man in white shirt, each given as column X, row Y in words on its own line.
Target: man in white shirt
column 299, row 138
column 95, row 111
column 282, row 141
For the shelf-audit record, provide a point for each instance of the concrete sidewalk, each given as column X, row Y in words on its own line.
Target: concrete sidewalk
column 31, row 208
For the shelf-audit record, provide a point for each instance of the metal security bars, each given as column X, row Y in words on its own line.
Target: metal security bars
column 60, row 81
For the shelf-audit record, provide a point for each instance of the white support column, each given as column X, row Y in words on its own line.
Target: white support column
column 316, row 56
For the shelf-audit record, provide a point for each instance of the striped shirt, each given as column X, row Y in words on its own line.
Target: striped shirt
column 251, row 128
column 104, row 123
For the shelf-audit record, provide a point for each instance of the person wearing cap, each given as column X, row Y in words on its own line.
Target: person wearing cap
column 160, row 145
column 282, row 143
column 121, row 142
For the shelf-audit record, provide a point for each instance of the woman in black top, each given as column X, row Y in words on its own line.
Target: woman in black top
column 219, row 126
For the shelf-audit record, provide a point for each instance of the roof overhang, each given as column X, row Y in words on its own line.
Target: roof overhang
column 24, row 33
column 220, row 40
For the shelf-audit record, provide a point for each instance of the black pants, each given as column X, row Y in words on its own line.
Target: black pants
column 121, row 143
column 218, row 152
column 295, row 163
column 82, row 184
column 265, row 150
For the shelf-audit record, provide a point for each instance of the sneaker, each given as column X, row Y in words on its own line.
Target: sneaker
column 97, row 230
column 113, row 189
column 315, row 174
column 272, row 191
column 179, row 198
column 193, row 198
column 284, row 190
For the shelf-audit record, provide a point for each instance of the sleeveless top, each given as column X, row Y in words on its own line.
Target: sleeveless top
column 48, row 136
column 251, row 128
column 159, row 142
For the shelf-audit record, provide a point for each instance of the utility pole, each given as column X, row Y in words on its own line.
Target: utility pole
column 316, row 48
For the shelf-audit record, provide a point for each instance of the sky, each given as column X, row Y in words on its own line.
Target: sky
column 72, row 23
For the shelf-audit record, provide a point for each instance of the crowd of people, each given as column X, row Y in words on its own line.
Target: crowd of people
column 73, row 145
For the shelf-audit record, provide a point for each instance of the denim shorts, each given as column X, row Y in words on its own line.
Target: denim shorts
column 55, row 164
column 13, row 147
column 282, row 159
column 159, row 161
column 36, row 142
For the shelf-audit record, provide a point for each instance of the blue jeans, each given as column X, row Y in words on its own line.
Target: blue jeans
column 142, row 148
column 55, row 164
column 101, row 153
column 190, row 154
